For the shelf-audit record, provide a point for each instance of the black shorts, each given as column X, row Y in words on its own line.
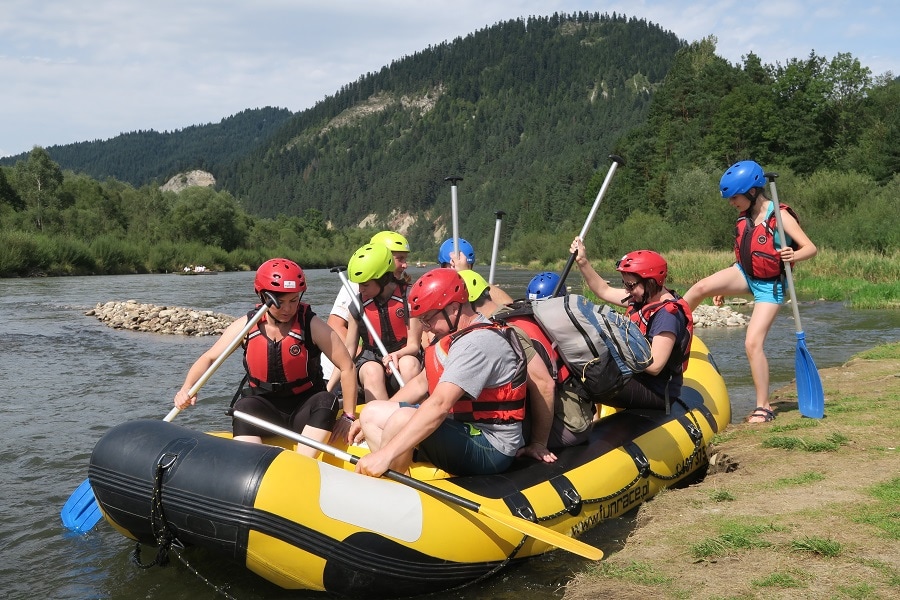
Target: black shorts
column 317, row 408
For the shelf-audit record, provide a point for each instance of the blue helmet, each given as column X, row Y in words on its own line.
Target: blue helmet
column 464, row 247
column 542, row 285
column 741, row 177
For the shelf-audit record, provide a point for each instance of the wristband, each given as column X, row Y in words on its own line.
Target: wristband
column 347, row 417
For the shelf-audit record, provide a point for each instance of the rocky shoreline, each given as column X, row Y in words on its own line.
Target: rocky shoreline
column 707, row 315
column 177, row 320
column 150, row 318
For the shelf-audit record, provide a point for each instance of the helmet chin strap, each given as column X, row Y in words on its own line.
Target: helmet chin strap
column 453, row 326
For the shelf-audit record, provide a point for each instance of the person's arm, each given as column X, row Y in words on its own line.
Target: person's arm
column 805, row 248
column 339, row 324
column 499, row 296
column 351, row 339
column 205, row 361
column 413, row 339
column 415, row 390
column 331, row 346
column 660, row 349
column 424, row 421
column 597, row 284
column 541, row 398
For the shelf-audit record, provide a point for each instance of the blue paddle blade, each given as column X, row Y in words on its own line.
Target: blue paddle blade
column 810, row 397
column 80, row 512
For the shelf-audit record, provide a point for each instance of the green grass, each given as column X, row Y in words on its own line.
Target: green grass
column 802, row 479
column 778, row 580
column 734, row 536
column 884, row 513
column 803, row 424
column 829, row 444
column 883, row 352
column 862, row 591
column 721, row 496
column 635, row 572
column 815, row 545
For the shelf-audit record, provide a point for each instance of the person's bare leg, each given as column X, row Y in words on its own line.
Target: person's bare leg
column 757, row 329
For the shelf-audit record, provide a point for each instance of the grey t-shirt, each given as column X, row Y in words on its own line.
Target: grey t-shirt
column 483, row 359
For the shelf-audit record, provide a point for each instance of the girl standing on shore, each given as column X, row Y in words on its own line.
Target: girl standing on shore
column 759, row 269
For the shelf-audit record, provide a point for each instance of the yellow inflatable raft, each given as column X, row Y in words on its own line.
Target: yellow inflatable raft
column 314, row 524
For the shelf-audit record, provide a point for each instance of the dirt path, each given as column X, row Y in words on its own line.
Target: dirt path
column 787, row 511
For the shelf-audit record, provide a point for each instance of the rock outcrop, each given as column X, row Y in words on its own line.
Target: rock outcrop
column 190, row 179
column 172, row 320
column 707, row 315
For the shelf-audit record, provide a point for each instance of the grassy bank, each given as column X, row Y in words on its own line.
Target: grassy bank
column 795, row 508
column 861, row 279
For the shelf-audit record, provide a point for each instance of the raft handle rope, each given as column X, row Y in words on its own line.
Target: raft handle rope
column 644, row 470
column 166, row 540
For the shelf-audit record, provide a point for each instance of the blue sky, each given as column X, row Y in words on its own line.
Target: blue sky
column 74, row 70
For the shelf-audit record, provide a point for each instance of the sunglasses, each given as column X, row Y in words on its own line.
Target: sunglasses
column 428, row 319
column 630, row 286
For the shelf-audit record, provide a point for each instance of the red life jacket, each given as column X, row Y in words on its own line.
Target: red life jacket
column 289, row 366
column 501, row 404
column 755, row 245
column 389, row 319
column 643, row 316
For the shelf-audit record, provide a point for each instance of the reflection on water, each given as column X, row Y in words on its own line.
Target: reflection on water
column 68, row 378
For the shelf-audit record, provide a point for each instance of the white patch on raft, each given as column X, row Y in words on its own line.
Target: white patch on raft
column 378, row 505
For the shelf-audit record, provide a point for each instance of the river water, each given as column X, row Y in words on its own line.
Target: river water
column 68, row 378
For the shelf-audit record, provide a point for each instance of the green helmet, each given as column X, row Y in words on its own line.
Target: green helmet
column 393, row 240
column 371, row 261
column 475, row 284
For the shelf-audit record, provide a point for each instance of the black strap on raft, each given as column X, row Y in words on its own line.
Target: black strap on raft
column 519, row 505
column 568, row 494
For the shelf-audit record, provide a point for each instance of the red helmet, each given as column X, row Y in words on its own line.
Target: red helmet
column 435, row 290
column 279, row 275
column 646, row 264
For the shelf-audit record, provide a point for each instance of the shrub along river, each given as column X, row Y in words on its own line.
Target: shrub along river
column 68, row 378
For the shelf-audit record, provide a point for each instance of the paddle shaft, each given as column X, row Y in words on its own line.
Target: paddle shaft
column 395, row 370
column 499, row 214
column 232, row 346
column 535, row 530
column 779, row 226
column 617, row 160
column 454, row 211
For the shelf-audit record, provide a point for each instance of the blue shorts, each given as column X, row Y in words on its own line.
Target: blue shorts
column 461, row 449
column 770, row 291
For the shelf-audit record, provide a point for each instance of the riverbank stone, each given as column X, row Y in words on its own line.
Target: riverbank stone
column 168, row 320
column 707, row 315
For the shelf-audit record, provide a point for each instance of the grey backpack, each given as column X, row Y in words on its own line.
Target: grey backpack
column 602, row 348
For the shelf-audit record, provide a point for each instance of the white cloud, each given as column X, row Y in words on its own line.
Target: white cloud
column 76, row 70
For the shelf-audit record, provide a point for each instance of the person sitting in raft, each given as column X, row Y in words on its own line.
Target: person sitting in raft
column 542, row 285
column 281, row 358
column 464, row 411
column 339, row 316
column 759, row 269
column 664, row 318
column 385, row 304
column 540, row 383
column 558, row 417
column 465, row 260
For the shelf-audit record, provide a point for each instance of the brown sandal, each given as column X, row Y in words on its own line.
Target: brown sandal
column 761, row 413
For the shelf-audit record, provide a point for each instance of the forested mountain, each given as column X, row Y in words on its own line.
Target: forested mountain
column 143, row 157
column 525, row 111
